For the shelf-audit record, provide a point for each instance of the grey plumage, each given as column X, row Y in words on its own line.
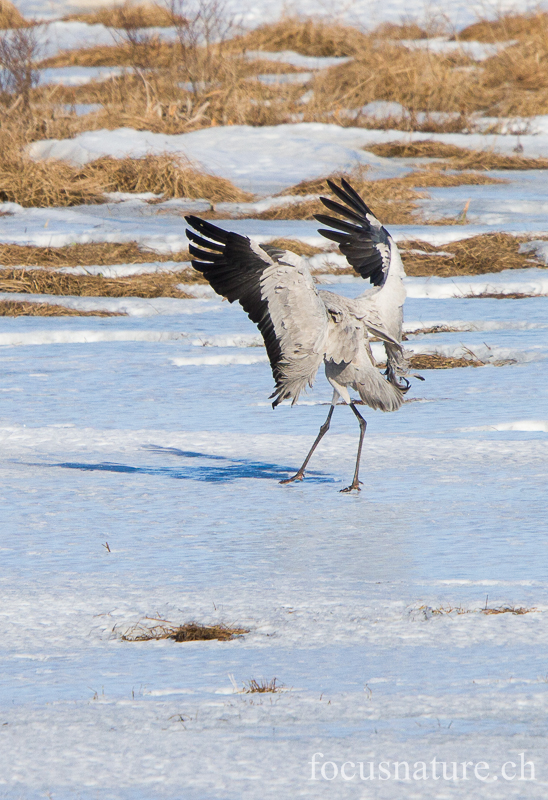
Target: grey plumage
column 302, row 326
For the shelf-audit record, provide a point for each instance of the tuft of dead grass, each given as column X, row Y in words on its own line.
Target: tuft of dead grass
column 459, row 610
column 83, row 255
column 477, row 255
column 409, row 30
column 16, row 308
column 461, row 158
column 55, row 183
column 10, row 16
column 128, row 16
column 169, row 174
column 45, row 281
column 421, row 148
column 45, row 183
column 437, row 361
column 189, row 632
column 504, row 28
column 300, row 248
column 262, row 686
column 308, row 36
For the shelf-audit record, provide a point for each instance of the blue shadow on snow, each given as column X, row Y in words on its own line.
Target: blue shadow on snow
column 233, row 468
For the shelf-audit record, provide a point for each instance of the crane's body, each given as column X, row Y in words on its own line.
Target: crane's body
column 303, row 327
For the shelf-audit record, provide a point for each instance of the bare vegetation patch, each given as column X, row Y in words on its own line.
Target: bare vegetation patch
column 12, row 308
column 502, row 295
column 167, row 174
column 437, row 361
column 10, row 17
column 89, row 254
column 189, row 632
column 422, row 148
column 55, row 183
column 262, row 686
column 45, row 183
column 38, row 281
column 409, row 30
column 477, row 255
column 310, row 37
column 145, row 15
column 504, row 28
column 459, row 610
column 461, row 157
column 300, row 248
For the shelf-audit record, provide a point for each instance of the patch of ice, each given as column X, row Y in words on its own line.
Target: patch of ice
column 297, row 59
column 77, row 76
column 536, row 246
column 132, row 306
column 220, row 360
column 529, row 425
column 477, row 51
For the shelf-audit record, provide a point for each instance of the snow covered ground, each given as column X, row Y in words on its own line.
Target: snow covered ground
column 155, row 434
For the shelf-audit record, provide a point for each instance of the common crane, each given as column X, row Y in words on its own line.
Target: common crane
column 302, row 326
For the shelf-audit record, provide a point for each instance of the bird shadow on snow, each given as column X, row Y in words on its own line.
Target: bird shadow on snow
column 223, row 470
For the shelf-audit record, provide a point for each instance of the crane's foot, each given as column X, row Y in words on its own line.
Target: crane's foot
column 353, row 487
column 298, row 477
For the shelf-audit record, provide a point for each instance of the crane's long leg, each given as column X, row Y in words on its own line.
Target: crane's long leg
column 363, row 425
column 323, row 430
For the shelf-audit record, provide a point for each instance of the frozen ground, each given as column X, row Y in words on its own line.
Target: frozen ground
column 155, row 434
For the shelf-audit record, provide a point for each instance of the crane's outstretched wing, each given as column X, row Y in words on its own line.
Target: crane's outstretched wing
column 364, row 241
column 279, row 297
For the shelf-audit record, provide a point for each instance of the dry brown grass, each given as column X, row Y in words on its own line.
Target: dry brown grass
column 437, row 361
column 262, row 686
column 504, row 28
column 433, row 176
column 421, row 148
column 410, row 30
column 145, row 15
column 477, row 255
column 311, row 37
column 56, row 183
column 189, row 632
column 169, row 174
column 419, row 80
column 85, row 255
column 458, row 610
column 10, row 17
column 45, row 183
column 300, row 248
column 38, row 281
column 16, row 308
